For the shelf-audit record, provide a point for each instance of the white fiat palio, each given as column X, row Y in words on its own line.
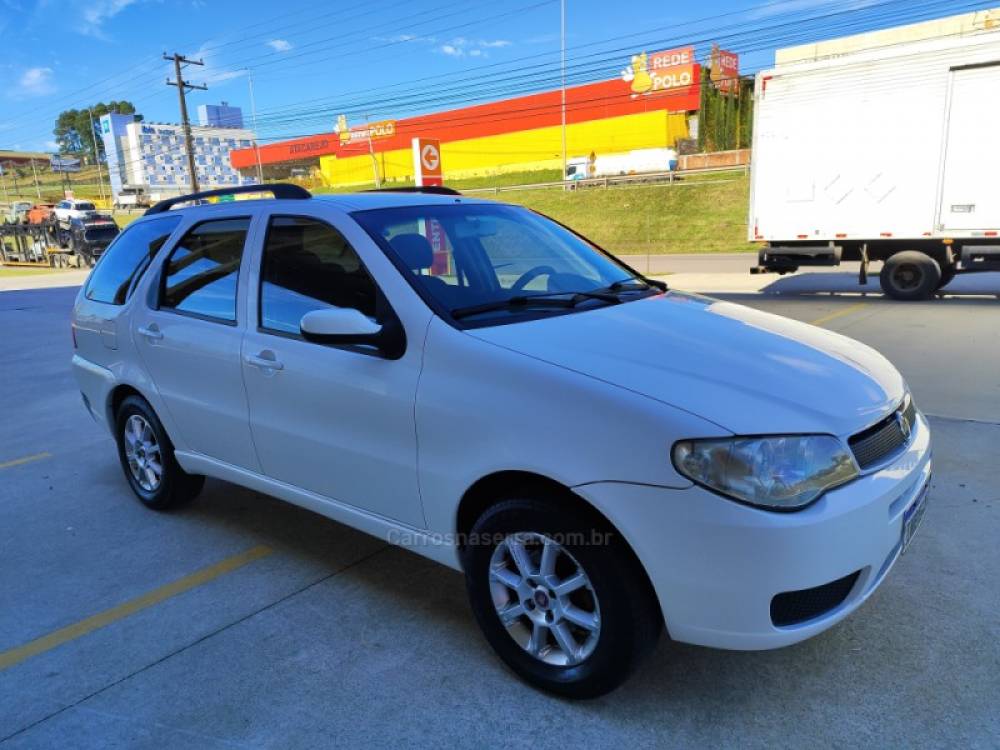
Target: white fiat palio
column 601, row 457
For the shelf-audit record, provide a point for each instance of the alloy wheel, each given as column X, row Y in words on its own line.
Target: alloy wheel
column 142, row 451
column 544, row 599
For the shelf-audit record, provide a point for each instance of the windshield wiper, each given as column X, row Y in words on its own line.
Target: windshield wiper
column 552, row 299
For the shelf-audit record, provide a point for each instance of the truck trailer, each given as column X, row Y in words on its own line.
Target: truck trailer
column 882, row 146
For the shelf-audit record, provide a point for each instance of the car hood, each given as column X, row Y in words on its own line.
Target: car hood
column 747, row 371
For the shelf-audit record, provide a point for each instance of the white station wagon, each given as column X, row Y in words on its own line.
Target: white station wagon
column 601, row 457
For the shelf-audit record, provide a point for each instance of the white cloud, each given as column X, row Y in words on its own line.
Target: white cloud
column 96, row 13
column 280, row 45
column 460, row 46
column 36, row 82
column 212, row 72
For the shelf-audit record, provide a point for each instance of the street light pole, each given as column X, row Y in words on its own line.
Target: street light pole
column 38, row 190
column 371, row 152
column 562, row 36
column 253, row 117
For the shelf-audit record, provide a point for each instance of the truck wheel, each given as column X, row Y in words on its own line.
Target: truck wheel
column 910, row 275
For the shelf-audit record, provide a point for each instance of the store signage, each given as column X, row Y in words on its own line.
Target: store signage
column 660, row 71
column 64, row 164
column 725, row 70
column 307, row 147
column 364, row 133
column 427, row 162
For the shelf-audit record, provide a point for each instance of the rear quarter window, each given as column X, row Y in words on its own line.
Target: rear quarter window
column 127, row 257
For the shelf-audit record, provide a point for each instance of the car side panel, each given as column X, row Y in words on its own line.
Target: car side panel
column 483, row 409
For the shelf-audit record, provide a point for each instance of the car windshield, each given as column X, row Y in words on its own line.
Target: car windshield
column 486, row 263
column 84, row 206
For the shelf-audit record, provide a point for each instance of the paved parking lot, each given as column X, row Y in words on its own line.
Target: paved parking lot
column 244, row 622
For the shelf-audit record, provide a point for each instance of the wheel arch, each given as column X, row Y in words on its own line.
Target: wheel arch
column 492, row 488
column 121, row 392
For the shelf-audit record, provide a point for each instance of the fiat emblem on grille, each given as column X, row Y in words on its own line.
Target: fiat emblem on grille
column 904, row 424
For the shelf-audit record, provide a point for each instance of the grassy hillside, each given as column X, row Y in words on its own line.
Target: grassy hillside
column 84, row 184
column 705, row 216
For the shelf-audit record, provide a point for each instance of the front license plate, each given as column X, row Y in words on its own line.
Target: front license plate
column 913, row 516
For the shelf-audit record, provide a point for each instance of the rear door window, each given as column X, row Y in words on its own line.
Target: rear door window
column 202, row 271
column 126, row 259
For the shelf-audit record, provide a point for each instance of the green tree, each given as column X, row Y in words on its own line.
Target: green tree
column 73, row 128
column 725, row 120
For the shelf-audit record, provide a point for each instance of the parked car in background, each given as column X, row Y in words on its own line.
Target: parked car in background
column 132, row 197
column 73, row 209
column 87, row 238
column 41, row 213
column 16, row 212
column 600, row 456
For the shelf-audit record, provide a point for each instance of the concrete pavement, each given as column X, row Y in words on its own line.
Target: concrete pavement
column 330, row 638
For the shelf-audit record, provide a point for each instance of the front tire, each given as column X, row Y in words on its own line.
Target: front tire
column 910, row 275
column 147, row 458
column 559, row 596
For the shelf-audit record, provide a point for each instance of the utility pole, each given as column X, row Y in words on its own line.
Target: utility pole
column 253, row 117
column 562, row 36
column 97, row 155
column 182, row 87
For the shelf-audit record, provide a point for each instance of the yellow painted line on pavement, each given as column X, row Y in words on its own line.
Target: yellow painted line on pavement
column 108, row 616
column 25, row 460
column 838, row 314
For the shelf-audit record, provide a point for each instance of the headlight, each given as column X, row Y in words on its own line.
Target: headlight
column 776, row 473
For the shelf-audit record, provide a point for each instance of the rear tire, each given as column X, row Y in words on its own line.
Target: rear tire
column 147, row 458
column 910, row 275
column 581, row 642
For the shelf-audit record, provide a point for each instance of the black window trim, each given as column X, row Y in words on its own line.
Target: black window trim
column 381, row 300
column 161, row 282
column 140, row 272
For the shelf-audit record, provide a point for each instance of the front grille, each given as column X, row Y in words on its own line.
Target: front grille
column 883, row 438
column 793, row 607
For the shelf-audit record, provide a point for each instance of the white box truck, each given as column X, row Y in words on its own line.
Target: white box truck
column 882, row 146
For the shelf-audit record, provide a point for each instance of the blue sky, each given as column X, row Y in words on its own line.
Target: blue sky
column 389, row 58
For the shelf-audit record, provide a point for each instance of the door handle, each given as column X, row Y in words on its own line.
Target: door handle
column 264, row 363
column 152, row 332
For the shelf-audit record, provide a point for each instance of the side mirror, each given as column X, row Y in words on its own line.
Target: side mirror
column 345, row 325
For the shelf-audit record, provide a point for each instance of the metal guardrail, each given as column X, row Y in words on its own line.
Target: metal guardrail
column 646, row 177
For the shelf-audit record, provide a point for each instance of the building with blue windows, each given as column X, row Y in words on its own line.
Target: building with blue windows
column 153, row 155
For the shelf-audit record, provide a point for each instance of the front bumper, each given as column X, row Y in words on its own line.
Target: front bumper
column 716, row 565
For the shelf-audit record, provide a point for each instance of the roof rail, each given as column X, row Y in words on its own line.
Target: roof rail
column 278, row 189
column 430, row 189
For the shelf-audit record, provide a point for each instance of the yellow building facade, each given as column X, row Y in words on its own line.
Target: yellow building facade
column 518, row 151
